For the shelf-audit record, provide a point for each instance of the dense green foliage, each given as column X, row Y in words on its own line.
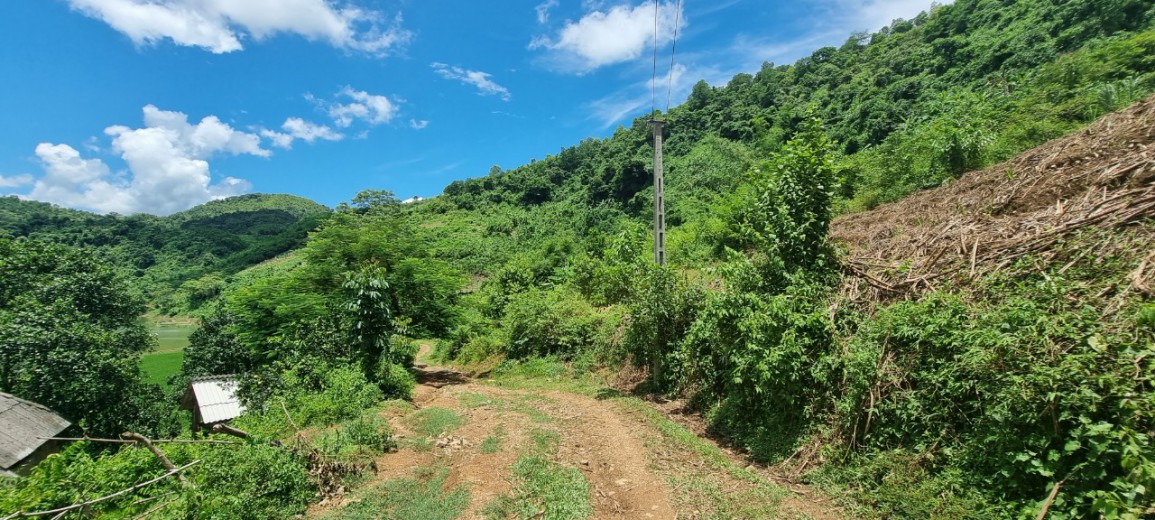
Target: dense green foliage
column 254, row 480
column 180, row 261
column 956, row 405
column 971, row 401
column 71, row 338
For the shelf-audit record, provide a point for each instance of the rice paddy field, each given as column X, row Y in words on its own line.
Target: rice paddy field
column 165, row 361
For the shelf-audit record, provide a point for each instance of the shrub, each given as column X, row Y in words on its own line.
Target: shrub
column 557, row 321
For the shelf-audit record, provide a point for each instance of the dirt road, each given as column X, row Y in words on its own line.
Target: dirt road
column 518, row 451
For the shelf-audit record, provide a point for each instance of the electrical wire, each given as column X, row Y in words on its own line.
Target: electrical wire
column 654, row 76
column 673, row 51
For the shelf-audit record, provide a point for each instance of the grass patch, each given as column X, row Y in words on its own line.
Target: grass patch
column 420, row 498
column 544, row 489
column 434, row 422
column 521, row 404
column 700, row 489
column 545, row 442
column 492, row 444
column 172, row 338
column 159, row 366
column 477, row 400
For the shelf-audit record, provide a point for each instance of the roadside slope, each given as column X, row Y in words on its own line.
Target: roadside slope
column 1100, row 177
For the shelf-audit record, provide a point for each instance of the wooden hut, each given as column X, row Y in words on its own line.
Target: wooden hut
column 24, row 430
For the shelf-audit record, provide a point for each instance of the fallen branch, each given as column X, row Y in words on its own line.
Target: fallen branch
column 229, row 430
column 1050, row 500
column 105, row 498
column 126, row 441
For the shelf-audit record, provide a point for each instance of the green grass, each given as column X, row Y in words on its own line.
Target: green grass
column 544, row 489
column 172, row 338
column 159, row 366
column 420, row 498
column 165, row 361
column 434, row 422
column 492, row 444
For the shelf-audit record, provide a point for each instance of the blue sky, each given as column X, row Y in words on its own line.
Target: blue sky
column 158, row 105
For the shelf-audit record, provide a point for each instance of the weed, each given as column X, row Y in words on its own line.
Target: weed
column 492, row 443
column 422, row 497
column 544, row 489
column 434, row 422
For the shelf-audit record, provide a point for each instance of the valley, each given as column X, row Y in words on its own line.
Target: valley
column 910, row 276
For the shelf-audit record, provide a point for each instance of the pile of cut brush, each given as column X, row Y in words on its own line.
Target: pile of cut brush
column 1101, row 177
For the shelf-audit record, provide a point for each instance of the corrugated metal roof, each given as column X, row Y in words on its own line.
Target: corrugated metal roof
column 22, row 424
column 216, row 397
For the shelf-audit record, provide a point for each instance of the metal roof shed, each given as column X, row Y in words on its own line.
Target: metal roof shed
column 213, row 400
column 24, row 427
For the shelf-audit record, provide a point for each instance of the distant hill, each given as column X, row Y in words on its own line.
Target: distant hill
column 180, row 260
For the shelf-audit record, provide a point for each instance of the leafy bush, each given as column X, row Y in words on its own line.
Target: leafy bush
column 557, row 322
column 256, row 481
column 314, row 392
column 71, row 339
column 1018, row 395
column 250, row 481
column 370, row 433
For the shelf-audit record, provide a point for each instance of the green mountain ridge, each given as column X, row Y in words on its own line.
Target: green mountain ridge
column 1003, row 383
column 179, row 260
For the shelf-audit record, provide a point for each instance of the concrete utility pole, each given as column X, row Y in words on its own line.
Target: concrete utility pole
column 659, row 196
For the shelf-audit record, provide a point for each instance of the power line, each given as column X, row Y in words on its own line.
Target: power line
column 654, row 76
column 673, row 50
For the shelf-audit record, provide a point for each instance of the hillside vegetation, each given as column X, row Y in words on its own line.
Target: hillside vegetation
column 182, row 260
column 914, row 271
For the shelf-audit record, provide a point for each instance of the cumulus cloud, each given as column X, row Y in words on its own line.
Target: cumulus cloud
column 871, row 15
column 15, row 181
column 612, row 36
column 543, row 10
column 371, row 108
column 168, row 168
column 480, row 80
column 298, row 128
column 418, row 124
column 221, row 26
column 280, row 140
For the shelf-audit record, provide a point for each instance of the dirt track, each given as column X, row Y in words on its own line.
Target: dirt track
column 633, row 472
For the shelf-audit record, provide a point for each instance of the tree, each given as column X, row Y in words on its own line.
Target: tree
column 71, row 338
column 791, row 216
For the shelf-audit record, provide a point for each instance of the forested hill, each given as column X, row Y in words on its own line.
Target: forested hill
column 179, row 261
column 983, row 349
column 965, row 85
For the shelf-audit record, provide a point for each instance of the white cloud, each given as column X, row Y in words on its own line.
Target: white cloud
column 221, row 26
column 543, row 10
column 603, row 38
column 417, row 124
column 278, row 139
column 15, row 181
column 371, row 108
column 298, row 128
column 485, row 86
column 168, row 169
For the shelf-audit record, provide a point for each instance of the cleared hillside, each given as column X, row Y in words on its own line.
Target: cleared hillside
column 1101, row 177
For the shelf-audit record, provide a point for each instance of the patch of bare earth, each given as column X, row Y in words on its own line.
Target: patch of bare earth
column 605, row 445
